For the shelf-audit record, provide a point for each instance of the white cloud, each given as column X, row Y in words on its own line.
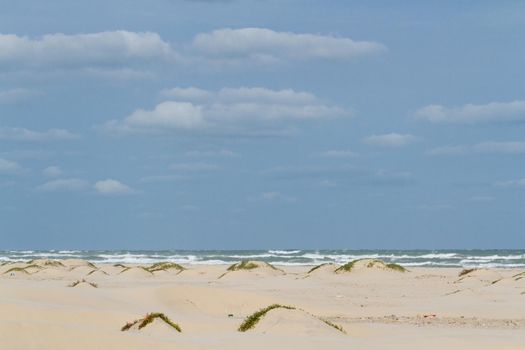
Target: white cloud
column 268, row 46
column 185, row 94
column 471, row 113
column 482, row 148
column 338, row 154
column 52, row 171
column 22, row 134
column 112, row 187
column 227, row 110
column 13, row 96
column 77, row 50
column 390, row 140
column 9, row 167
column 520, row 183
column 64, row 185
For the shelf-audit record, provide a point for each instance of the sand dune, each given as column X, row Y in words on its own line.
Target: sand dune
column 378, row 308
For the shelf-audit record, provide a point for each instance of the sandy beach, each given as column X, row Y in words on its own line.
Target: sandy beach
column 74, row 304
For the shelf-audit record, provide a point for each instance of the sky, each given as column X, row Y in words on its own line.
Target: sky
column 256, row 124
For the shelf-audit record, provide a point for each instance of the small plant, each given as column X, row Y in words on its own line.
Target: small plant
column 466, row 272
column 16, row 269
column 374, row 262
column 121, row 265
column 77, row 282
column 164, row 266
column 138, row 267
column 253, row 319
column 396, row 267
column 333, row 325
column 93, row 271
column 150, row 318
column 243, row 265
column 317, row 267
column 53, row 263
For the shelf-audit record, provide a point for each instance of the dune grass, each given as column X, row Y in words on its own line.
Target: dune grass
column 333, row 325
column 373, row 262
column 137, row 267
column 243, row 265
column 465, row 272
column 16, row 269
column 150, row 318
column 120, row 265
column 77, row 282
column 165, row 266
column 250, row 321
column 53, row 263
column 93, row 271
column 317, row 267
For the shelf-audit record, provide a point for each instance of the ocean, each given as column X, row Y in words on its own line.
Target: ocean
column 424, row 258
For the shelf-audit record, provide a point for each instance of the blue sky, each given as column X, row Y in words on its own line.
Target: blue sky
column 262, row 124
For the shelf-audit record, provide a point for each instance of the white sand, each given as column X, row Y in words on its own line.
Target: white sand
column 378, row 308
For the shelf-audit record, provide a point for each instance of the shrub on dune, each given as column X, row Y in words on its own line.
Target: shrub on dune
column 165, row 266
column 370, row 263
column 254, row 318
column 77, row 282
column 149, row 318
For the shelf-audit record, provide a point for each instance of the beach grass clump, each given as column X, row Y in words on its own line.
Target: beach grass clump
column 16, row 269
column 120, row 265
column 165, row 266
column 93, row 271
column 250, row 321
column 77, row 282
column 146, row 320
column 243, row 265
column 317, row 267
column 348, row 267
column 138, row 267
column 465, row 272
column 333, row 325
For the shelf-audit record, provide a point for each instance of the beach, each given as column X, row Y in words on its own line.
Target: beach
column 75, row 304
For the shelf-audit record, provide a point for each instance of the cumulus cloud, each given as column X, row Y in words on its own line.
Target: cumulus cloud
column 64, row 185
column 18, row 95
column 112, row 187
column 268, row 46
column 22, row 134
column 9, row 167
column 471, row 113
column 390, row 140
column 227, row 110
column 52, row 171
column 78, row 50
column 482, row 148
column 520, row 183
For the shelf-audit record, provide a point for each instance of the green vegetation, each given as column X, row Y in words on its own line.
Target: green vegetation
column 317, row 267
column 396, row 267
column 331, row 324
column 137, row 267
column 253, row 319
column 121, row 265
column 243, row 265
column 77, row 282
column 466, row 272
column 164, row 266
column 16, row 269
column 373, row 262
column 150, row 318
column 250, row 321
column 93, row 271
